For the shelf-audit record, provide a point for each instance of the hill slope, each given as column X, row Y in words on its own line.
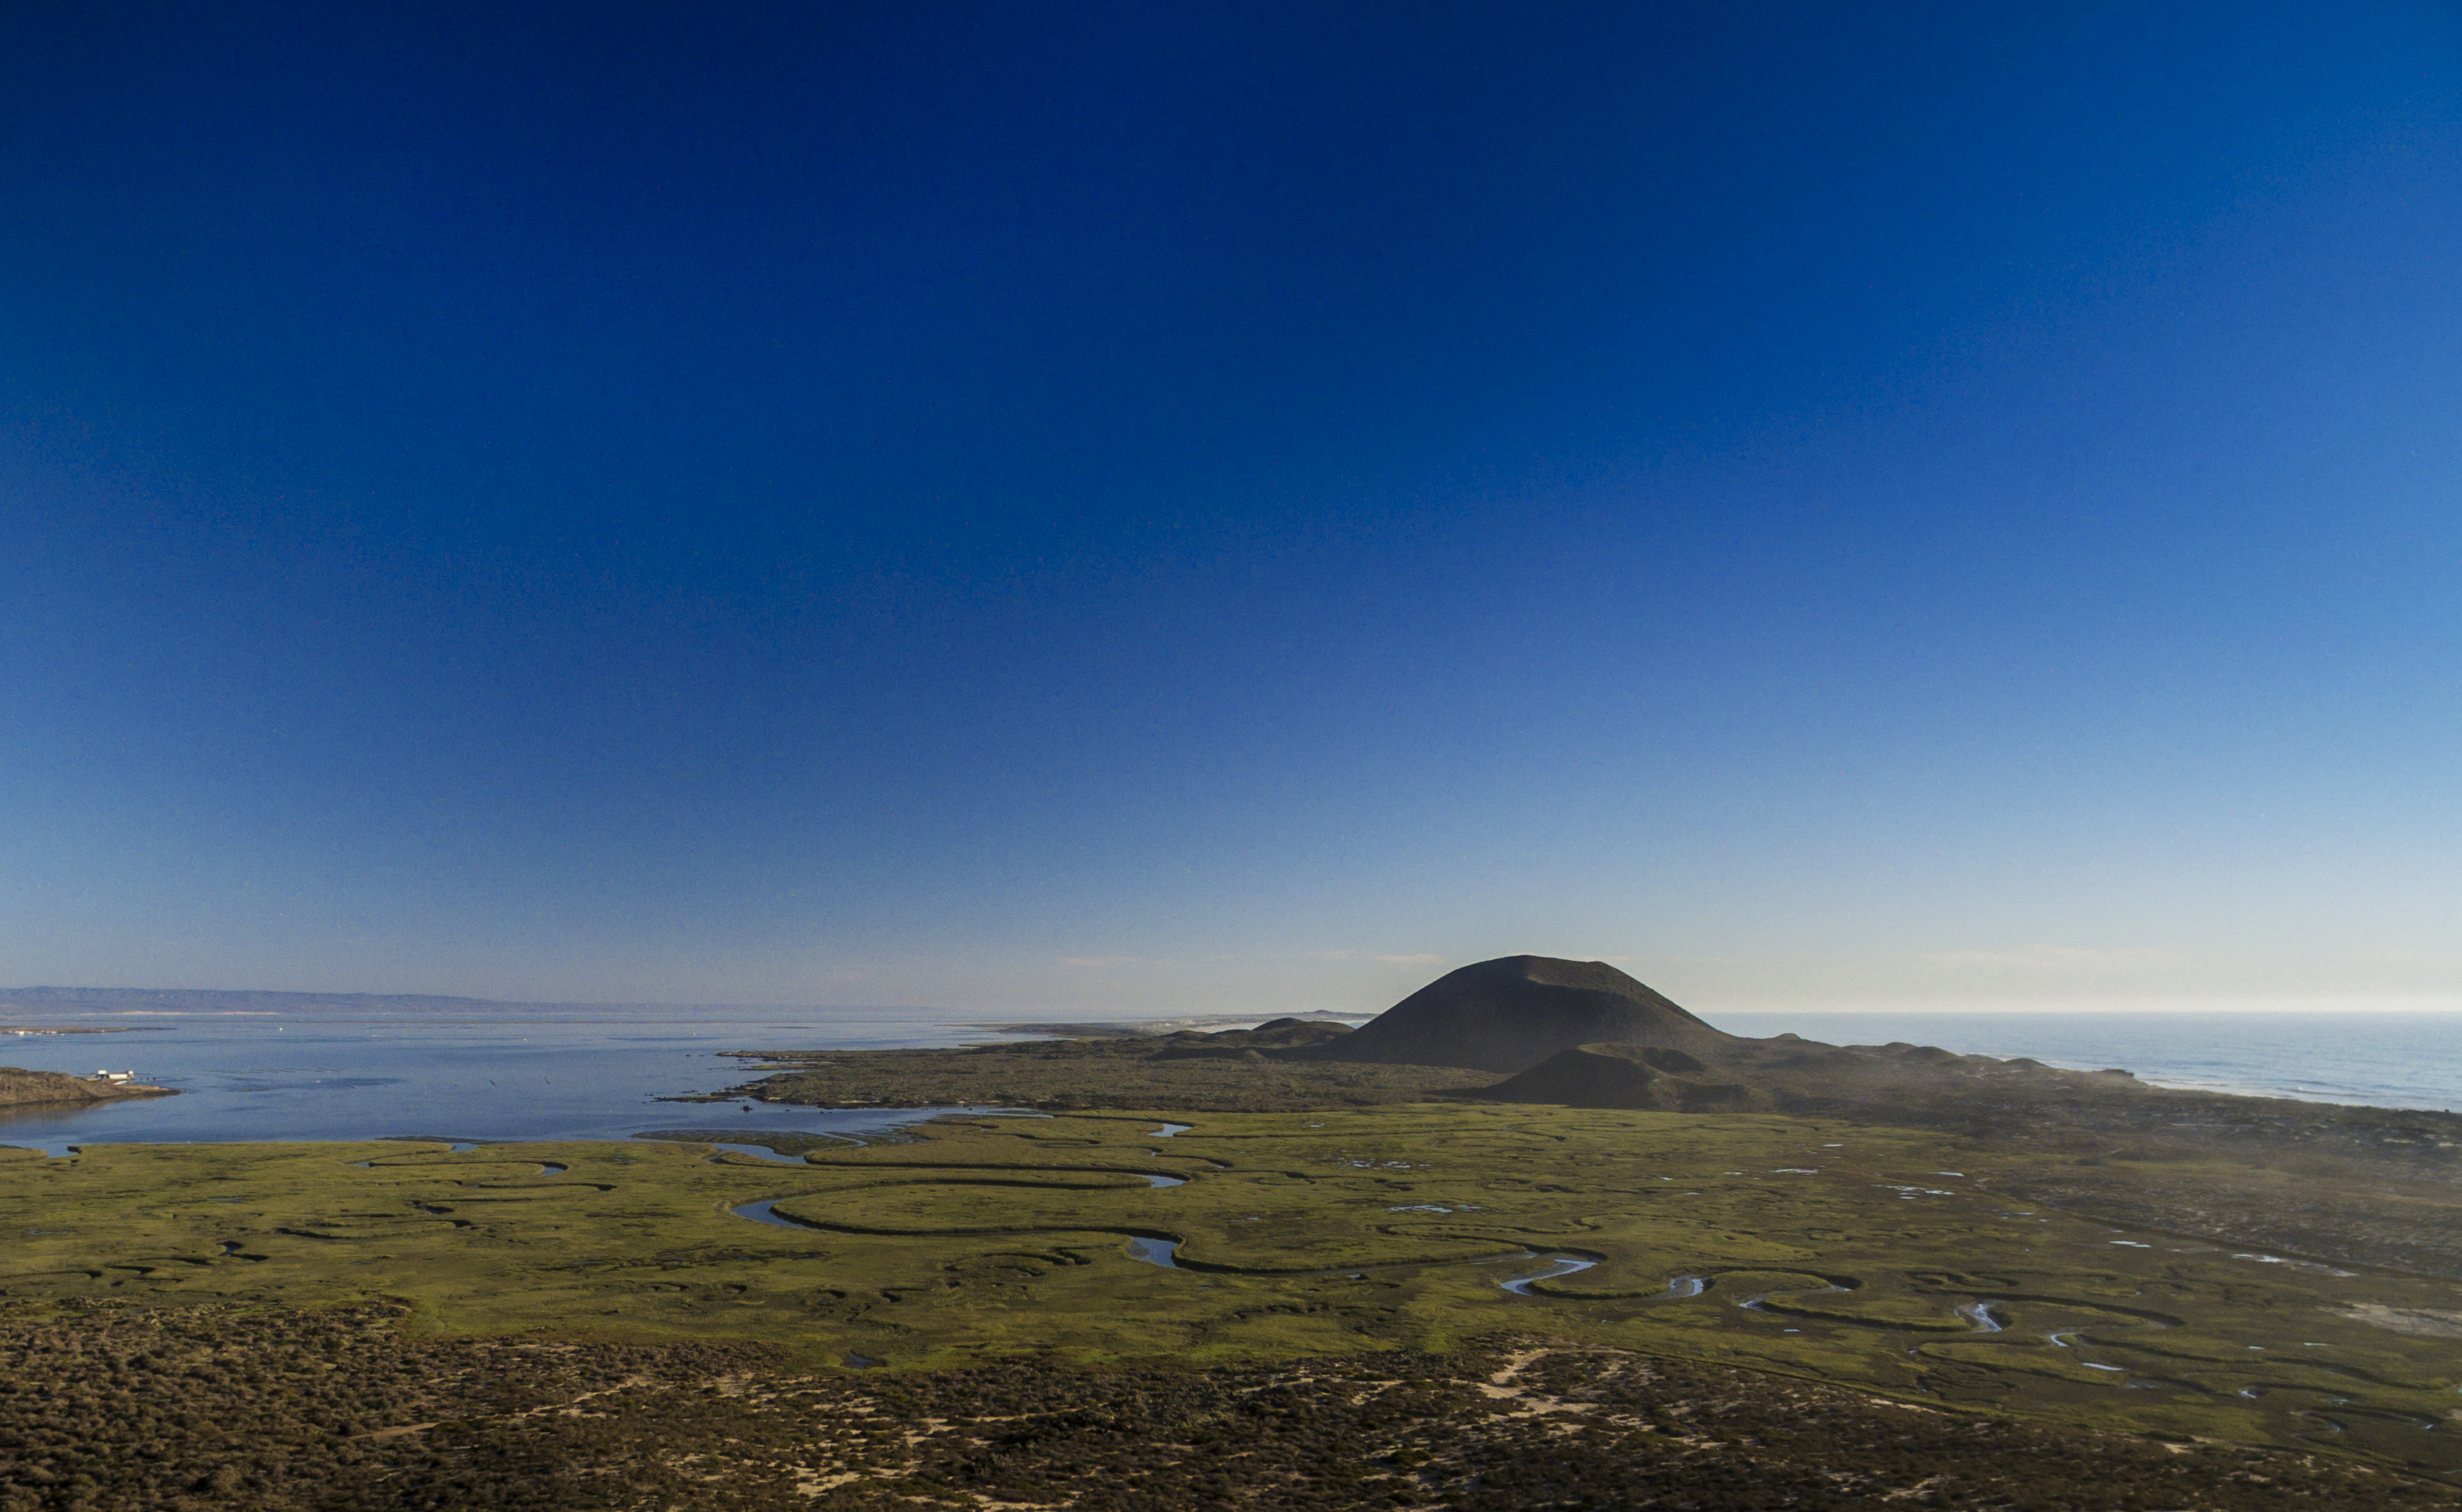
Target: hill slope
column 1624, row 1076
column 1511, row 1013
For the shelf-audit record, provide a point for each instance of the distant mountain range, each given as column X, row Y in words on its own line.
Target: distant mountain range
column 209, row 1000
column 216, row 999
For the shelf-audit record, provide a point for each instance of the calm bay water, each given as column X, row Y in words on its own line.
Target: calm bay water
column 589, row 1075
column 600, row 1075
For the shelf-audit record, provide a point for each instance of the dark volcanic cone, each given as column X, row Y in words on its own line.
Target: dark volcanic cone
column 1508, row 1015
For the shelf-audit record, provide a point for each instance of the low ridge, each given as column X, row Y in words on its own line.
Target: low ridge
column 1624, row 1076
column 20, row 1087
column 1509, row 1014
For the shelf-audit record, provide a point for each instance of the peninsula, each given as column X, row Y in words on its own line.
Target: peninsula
column 21, row 1087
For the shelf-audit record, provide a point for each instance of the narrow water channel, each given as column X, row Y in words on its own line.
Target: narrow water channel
column 758, row 1152
column 1980, row 1316
column 765, row 1211
column 1557, row 1265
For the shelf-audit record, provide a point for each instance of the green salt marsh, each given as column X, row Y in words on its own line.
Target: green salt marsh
column 1865, row 1260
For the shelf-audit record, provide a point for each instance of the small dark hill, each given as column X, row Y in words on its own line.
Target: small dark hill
column 1292, row 1038
column 1624, row 1076
column 1510, row 1014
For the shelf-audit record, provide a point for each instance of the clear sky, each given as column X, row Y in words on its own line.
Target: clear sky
column 1192, row 508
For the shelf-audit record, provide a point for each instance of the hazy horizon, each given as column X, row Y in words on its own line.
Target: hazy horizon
column 27, row 999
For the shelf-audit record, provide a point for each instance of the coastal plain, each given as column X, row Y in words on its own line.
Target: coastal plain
column 1296, row 1266
column 1886, row 1260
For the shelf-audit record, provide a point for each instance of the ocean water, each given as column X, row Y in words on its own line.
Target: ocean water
column 589, row 1075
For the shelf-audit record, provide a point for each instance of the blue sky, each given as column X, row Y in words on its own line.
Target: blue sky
column 1207, row 508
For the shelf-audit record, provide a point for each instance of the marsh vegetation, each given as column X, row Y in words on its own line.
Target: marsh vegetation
column 1005, row 1244
column 1265, row 1268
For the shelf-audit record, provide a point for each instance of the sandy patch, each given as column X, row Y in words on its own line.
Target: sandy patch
column 2428, row 1322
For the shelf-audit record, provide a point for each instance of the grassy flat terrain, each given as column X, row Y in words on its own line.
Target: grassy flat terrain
column 1883, row 1260
column 1188, row 1071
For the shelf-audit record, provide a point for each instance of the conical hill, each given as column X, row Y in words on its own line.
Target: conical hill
column 1509, row 1014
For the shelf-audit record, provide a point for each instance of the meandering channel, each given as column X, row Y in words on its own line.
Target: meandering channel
column 1557, row 1265
column 1163, row 1251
